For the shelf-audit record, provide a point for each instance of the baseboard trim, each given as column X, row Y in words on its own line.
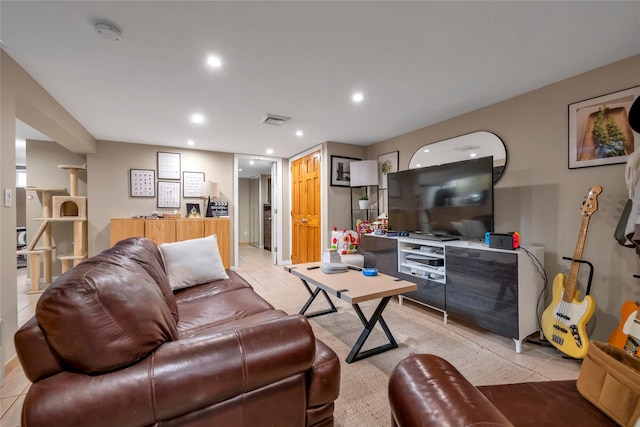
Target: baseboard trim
column 12, row 363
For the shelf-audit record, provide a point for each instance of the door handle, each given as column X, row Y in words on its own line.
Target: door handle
column 303, row 220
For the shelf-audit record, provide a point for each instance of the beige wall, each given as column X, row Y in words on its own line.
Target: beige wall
column 108, row 183
column 23, row 98
column 338, row 205
column 539, row 196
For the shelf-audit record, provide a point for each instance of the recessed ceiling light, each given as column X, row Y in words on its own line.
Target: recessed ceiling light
column 269, row 150
column 426, row 150
column 472, row 155
column 418, row 165
column 357, row 97
column 251, row 162
column 190, row 142
column 214, row 61
column 239, row 169
column 197, row 118
column 299, row 133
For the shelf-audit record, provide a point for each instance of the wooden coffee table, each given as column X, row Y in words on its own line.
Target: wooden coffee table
column 354, row 288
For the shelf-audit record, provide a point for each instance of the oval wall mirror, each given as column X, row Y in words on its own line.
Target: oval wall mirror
column 463, row 147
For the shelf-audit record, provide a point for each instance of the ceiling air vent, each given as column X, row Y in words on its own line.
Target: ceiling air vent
column 274, row 119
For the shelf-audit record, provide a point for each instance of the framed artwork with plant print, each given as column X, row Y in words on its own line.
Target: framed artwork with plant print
column 599, row 131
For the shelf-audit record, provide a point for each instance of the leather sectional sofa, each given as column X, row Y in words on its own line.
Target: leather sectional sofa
column 112, row 344
column 426, row 390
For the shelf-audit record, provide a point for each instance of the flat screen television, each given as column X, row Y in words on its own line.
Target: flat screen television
column 452, row 199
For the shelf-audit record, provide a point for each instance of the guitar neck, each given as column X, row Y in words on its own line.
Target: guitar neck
column 571, row 286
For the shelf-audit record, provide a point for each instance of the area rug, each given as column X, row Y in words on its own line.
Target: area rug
column 363, row 397
column 363, row 394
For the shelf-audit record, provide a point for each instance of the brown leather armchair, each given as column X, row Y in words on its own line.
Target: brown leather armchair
column 426, row 390
column 111, row 344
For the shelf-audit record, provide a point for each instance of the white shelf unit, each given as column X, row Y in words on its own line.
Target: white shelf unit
column 424, row 259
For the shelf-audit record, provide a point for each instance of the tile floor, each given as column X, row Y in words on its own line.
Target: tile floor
column 255, row 265
column 15, row 386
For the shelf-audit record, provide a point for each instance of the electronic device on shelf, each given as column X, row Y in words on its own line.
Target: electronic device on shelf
column 502, row 240
column 443, row 202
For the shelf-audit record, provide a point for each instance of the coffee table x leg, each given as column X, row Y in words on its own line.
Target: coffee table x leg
column 355, row 354
column 312, row 296
column 376, row 317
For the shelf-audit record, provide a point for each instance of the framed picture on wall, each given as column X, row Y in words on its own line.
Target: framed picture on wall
column 341, row 171
column 168, row 194
column 599, row 131
column 387, row 163
column 168, row 165
column 191, row 182
column 142, row 183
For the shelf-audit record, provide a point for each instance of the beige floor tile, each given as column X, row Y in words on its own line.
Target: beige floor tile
column 11, row 418
column 5, row 404
column 15, row 383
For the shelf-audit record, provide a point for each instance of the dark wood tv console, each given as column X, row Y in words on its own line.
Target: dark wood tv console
column 493, row 288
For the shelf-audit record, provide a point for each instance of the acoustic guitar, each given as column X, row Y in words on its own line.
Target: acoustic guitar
column 564, row 321
column 627, row 335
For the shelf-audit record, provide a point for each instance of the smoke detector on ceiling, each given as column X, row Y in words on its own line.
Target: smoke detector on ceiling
column 108, row 32
column 274, row 119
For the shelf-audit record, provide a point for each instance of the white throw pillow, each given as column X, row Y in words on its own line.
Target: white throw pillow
column 192, row 262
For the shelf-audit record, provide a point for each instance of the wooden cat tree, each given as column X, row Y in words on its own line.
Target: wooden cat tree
column 71, row 208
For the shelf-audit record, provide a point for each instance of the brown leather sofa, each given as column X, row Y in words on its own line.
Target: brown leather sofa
column 426, row 390
column 112, row 345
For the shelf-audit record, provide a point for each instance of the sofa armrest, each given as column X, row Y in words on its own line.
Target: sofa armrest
column 179, row 377
column 426, row 390
column 213, row 369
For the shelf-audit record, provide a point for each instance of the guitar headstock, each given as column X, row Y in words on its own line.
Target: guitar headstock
column 590, row 205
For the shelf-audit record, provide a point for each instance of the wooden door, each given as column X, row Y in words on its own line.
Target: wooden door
column 305, row 209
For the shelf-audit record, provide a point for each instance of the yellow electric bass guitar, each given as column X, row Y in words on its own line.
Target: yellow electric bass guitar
column 627, row 334
column 564, row 321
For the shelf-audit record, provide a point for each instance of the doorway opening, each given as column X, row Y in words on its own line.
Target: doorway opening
column 258, row 201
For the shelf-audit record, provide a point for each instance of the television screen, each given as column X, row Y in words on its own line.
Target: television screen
column 453, row 199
